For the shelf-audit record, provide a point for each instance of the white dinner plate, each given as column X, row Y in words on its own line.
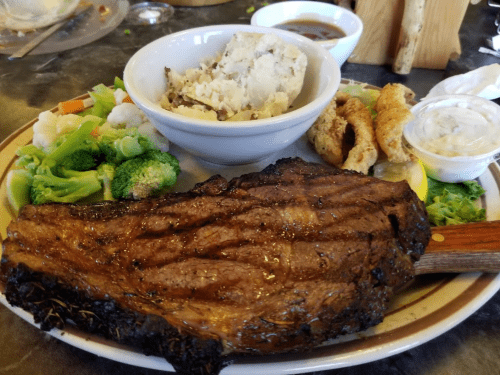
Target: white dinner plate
column 428, row 307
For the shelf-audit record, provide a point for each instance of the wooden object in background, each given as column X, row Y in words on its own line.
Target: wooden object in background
column 411, row 28
column 439, row 41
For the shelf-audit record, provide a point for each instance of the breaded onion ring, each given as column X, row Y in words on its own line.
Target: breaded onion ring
column 365, row 151
column 327, row 134
column 392, row 116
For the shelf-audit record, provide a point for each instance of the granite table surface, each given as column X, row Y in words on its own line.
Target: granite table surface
column 38, row 82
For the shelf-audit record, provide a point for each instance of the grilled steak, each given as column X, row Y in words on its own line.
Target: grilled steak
column 269, row 262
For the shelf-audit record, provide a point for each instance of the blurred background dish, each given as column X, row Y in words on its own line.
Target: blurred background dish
column 149, row 13
column 323, row 15
column 34, row 14
column 105, row 16
column 227, row 142
column 194, row 3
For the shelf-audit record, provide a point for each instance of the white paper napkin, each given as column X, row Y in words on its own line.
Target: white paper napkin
column 483, row 82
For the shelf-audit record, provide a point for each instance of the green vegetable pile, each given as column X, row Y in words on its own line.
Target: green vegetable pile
column 93, row 162
column 449, row 203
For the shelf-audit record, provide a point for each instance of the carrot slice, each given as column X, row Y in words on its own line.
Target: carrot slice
column 78, row 105
column 127, row 99
column 74, row 106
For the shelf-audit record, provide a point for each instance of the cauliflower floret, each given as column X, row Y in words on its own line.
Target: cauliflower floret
column 68, row 123
column 129, row 115
column 45, row 129
column 119, row 96
column 50, row 126
column 126, row 114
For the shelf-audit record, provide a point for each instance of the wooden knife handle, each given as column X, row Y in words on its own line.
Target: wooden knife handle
column 411, row 27
column 462, row 248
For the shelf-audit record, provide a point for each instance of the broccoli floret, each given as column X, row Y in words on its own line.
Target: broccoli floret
column 55, row 174
column 84, row 153
column 52, row 182
column 30, row 158
column 106, row 173
column 18, row 188
column 70, row 187
column 80, row 139
column 146, row 175
column 165, row 158
column 104, row 101
column 80, row 160
column 119, row 145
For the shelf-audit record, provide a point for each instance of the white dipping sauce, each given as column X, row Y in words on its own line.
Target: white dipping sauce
column 458, row 127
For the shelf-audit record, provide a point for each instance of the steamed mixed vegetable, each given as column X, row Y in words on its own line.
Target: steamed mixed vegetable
column 105, row 152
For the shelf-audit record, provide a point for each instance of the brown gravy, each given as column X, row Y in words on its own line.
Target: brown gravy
column 312, row 29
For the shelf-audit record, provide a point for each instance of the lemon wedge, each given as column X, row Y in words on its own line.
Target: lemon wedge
column 412, row 171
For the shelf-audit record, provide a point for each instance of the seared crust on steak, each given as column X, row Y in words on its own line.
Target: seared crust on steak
column 270, row 262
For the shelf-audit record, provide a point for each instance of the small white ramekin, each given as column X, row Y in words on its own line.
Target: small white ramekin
column 451, row 168
column 285, row 11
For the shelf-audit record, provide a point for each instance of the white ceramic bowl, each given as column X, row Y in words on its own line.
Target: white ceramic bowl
column 454, row 168
column 285, row 11
column 236, row 142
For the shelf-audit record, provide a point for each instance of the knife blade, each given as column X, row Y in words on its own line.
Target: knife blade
column 51, row 30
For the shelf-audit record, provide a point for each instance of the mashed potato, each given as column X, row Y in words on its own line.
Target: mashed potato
column 257, row 76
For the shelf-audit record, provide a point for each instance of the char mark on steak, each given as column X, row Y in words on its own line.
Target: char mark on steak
column 269, row 262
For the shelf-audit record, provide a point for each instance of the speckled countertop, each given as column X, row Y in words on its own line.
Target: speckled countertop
column 37, row 83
